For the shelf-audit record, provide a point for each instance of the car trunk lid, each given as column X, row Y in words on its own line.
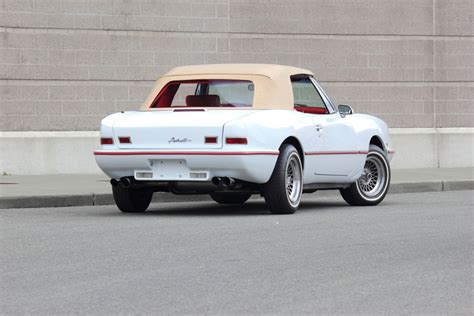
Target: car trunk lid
column 179, row 128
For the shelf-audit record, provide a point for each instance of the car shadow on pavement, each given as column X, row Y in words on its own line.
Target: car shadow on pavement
column 251, row 208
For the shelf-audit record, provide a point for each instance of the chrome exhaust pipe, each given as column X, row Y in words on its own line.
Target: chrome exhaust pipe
column 228, row 182
column 217, row 181
column 125, row 182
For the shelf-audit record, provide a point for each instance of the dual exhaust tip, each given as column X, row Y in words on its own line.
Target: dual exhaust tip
column 223, row 182
column 124, row 181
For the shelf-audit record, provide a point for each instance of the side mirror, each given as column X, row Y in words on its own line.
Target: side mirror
column 345, row 110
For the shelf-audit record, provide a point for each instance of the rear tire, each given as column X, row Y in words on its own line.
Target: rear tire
column 284, row 189
column 373, row 184
column 130, row 200
column 230, row 197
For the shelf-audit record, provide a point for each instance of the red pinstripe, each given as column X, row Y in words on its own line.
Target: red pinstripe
column 316, row 153
column 219, row 153
column 189, row 153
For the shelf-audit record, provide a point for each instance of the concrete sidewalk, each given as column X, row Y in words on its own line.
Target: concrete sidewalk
column 83, row 190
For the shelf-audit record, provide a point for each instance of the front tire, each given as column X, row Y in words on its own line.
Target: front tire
column 284, row 189
column 130, row 200
column 373, row 184
column 230, row 197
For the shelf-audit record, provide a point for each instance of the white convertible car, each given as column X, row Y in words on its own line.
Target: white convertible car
column 234, row 130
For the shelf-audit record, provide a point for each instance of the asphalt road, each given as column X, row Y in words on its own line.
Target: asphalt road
column 411, row 254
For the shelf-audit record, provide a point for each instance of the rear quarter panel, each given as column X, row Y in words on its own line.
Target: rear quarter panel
column 267, row 129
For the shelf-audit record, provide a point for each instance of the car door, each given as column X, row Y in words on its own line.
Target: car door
column 331, row 150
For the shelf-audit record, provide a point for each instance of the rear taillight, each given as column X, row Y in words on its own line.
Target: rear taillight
column 210, row 140
column 106, row 141
column 236, row 140
column 124, row 140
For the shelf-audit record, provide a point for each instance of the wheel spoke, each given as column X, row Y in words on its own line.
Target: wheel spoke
column 293, row 180
column 372, row 181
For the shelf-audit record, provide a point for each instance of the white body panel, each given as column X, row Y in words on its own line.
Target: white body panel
column 154, row 129
column 334, row 148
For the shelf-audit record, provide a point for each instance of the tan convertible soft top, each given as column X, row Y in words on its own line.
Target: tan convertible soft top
column 272, row 82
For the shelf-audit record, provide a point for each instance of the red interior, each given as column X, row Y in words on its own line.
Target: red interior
column 311, row 110
column 210, row 100
column 166, row 95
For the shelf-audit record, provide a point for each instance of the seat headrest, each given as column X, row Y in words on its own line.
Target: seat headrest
column 211, row 100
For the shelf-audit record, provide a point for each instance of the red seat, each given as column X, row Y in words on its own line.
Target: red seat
column 198, row 101
column 311, row 110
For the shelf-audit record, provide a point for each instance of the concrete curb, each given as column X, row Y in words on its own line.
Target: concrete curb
column 107, row 199
column 86, row 200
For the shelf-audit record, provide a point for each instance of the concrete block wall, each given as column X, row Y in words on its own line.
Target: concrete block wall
column 65, row 64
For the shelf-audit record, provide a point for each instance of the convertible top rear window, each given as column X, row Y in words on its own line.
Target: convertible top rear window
column 205, row 93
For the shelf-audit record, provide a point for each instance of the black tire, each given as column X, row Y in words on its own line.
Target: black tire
column 275, row 191
column 230, row 197
column 359, row 193
column 130, row 200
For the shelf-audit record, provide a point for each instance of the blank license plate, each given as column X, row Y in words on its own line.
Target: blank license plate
column 170, row 169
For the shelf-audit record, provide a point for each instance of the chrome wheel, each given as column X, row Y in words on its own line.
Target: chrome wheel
column 373, row 184
column 293, row 179
column 373, row 180
column 283, row 191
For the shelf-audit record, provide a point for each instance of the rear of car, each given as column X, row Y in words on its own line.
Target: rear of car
column 186, row 134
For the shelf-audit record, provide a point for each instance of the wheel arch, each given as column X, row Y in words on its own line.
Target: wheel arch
column 292, row 140
column 377, row 141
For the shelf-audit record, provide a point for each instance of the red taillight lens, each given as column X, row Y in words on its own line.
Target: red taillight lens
column 125, row 140
column 106, row 141
column 236, row 140
column 210, row 140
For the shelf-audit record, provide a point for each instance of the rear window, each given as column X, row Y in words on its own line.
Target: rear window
column 205, row 93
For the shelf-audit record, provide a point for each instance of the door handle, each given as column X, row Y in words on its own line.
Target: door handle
column 319, row 128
